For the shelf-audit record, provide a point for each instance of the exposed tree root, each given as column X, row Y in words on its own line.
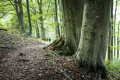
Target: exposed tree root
column 65, row 74
column 62, row 47
column 54, row 43
column 57, row 41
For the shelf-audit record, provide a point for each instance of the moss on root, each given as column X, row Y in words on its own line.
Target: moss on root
column 63, row 48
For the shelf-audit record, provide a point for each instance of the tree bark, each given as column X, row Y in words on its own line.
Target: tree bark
column 110, row 43
column 41, row 20
column 29, row 19
column 115, row 38
column 37, row 32
column 17, row 12
column 56, row 20
column 72, row 22
column 118, row 41
column 21, row 18
column 94, row 35
column 60, row 16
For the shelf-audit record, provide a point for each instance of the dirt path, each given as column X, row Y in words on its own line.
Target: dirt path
column 23, row 63
column 31, row 62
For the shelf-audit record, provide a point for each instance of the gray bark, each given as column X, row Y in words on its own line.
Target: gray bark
column 29, row 18
column 60, row 16
column 41, row 20
column 21, row 18
column 56, row 20
column 115, row 28
column 94, row 35
column 17, row 12
column 118, row 41
column 72, row 22
column 37, row 32
column 110, row 43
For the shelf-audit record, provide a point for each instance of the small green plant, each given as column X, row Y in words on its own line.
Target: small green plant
column 113, row 68
column 113, row 65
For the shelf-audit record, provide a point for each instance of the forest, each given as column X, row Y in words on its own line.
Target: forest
column 59, row 40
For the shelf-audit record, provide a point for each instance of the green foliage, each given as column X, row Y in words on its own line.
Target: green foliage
column 9, row 20
column 113, row 66
column 10, row 39
column 114, row 69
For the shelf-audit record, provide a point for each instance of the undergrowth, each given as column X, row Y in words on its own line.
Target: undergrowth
column 10, row 39
column 114, row 68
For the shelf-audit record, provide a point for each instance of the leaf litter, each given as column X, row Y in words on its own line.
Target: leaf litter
column 31, row 62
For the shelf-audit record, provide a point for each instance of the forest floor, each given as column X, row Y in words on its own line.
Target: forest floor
column 31, row 62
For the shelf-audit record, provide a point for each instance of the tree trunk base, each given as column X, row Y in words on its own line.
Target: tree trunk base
column 100, row 71
column 62, row 47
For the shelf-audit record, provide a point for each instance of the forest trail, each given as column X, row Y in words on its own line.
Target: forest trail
column 29, row 62
column 22, row 63
column 32, row 62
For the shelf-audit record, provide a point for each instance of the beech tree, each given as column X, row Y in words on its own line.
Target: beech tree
column 110, row 43
column 56, row 20
column 72, row 22
column 93, row 44
column 29, row 18
column 85, row 32
column 41, row 19
column 16, row 9
column 21, row 18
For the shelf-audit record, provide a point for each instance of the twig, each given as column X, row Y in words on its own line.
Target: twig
column 64, row 73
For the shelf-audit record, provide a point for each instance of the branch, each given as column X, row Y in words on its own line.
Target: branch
column 47, row 11
column 30, row 7
column 4, row 14
column 12, row 4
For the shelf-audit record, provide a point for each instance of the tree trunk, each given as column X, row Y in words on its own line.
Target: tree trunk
column 94, row 35
column 112, row 29
column 110, row 43
column 29, row 18
column 115, row 38
column 118, row 41
column 37, row 32
column 21, row 18
column 72, row 22
column 60, row 16
column 41, row 20
column 56, row 20
column 17, row 12
column 37, row 27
